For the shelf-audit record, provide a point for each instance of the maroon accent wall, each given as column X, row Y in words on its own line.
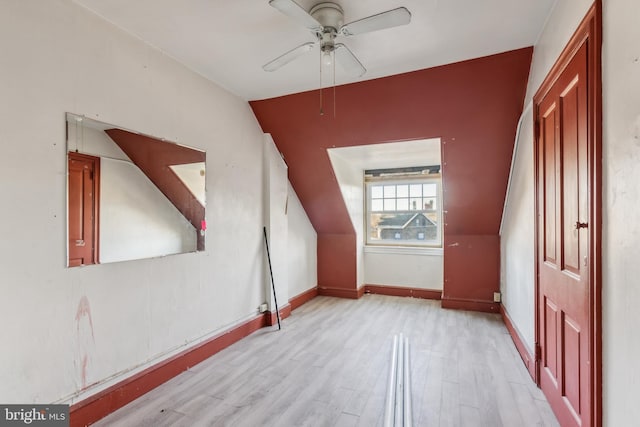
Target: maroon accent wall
column 473, row 106
column 471, row 272
column 337, row 260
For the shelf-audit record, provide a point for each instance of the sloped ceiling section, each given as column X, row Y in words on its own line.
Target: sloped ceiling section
column 473, row 106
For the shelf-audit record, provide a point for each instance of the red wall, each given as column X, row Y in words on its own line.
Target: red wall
column 473, row 106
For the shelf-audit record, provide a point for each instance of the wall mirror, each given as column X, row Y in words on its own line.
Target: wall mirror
column 130, row 196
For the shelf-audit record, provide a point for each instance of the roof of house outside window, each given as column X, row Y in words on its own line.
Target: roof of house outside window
column 401, row 221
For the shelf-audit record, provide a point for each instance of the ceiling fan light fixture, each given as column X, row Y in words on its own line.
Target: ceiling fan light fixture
column 326, row 58
column 326, row 22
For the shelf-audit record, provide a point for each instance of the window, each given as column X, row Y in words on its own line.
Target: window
column 403, row 206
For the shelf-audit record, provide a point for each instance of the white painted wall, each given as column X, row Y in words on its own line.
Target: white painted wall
column 517, row 239
column 621, row 174
column 92, row 141
column 72, row 332
column 413, row 268
column 302, row 248
column 621, row 226
column 136, row 220
column 276, row 224
column 292, row 238
column 517, row 243
column 350, row 178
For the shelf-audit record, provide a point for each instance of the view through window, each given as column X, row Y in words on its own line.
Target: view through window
column 403, row 206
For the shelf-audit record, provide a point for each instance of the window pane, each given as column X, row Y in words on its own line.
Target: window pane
column 430, row 203
column 376, row 192
column 388, row 227
column 393, row 205
column 429, row 190
column 389, row 191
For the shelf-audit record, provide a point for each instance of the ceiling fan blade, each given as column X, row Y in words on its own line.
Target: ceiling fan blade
column 288, row 57
column 297, row 13
column 388, row 19
column 348, row 60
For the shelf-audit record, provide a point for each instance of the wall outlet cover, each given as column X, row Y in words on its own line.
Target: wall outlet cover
column 497, row 297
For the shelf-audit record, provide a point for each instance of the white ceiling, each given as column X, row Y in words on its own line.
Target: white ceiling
column 229, row 41
column 422, row 152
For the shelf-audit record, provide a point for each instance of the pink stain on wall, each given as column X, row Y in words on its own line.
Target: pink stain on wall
column 85, row 337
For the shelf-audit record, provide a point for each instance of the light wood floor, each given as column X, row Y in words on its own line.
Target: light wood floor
column 328, row 366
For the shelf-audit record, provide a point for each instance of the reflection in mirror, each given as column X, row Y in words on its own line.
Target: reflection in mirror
column 131, row 196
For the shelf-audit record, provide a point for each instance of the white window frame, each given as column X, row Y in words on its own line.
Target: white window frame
column 400, row 180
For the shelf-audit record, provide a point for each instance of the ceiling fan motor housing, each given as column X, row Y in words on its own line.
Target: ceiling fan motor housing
column 328, row 14
column 331, row 17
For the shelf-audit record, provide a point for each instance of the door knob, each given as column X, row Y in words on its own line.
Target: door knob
column 580, row 225
column 79, row 242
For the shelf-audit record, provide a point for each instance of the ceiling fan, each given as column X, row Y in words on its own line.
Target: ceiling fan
column 325, row 20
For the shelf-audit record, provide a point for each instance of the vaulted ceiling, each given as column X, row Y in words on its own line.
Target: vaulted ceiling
column 229, row 41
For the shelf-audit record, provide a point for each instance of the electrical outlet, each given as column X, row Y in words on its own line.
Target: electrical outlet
column 497, row 297
column 263, row 307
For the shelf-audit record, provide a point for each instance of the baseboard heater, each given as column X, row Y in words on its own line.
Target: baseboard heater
column 397, row 411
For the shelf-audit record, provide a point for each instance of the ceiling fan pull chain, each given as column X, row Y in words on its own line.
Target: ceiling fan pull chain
column 321, row 112
column 334, row 82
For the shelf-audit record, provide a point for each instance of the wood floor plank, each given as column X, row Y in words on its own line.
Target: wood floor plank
column 526, row 405
column 347, row 420
column 470, row 417
column 450, row 406
column 329, row 366
column 430, row 399
column 335, row 407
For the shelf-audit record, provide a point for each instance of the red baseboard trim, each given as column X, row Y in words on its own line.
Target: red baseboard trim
column 526, row 356
column 471, row 305
column 271, row 317
column 107, row 401
column 341, row 292
column 302, row 298
column 398, row 291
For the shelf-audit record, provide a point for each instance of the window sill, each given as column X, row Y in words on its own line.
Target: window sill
column 402, row 250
